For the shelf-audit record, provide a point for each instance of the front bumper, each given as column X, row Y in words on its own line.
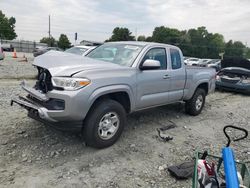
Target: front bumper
column 39, row 107
column 241, row 88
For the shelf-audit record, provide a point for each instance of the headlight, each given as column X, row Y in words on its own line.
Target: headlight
column 69, row 83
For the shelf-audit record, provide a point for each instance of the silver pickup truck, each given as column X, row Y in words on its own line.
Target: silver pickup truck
column 94, row 94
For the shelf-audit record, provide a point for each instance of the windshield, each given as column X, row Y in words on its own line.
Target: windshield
column 121, row 54
column 76, row 50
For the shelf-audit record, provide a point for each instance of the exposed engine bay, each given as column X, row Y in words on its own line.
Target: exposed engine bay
column 234, row 75
column 43, row 82
column 234, row 78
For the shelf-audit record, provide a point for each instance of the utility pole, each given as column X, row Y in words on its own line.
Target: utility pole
column 136, row 33
column 75, row 38
column 49, row 33
column 49, row 26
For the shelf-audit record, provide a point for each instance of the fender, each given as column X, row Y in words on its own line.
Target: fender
column 112, row 89
column 188, row 92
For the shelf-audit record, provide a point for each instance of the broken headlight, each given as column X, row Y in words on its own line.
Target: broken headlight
column 69, row 83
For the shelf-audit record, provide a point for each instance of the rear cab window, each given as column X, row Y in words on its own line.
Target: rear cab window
column 175, row 59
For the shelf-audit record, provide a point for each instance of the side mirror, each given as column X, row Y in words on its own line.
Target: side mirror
column 150, row 64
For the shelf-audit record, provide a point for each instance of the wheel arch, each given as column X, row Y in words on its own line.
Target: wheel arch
column 120, row 93
column 204, row 84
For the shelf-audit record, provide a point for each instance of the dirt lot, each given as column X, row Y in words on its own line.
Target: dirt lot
column 33, row 155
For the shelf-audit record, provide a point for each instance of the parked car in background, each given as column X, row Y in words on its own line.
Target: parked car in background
column 95, row 93
column 215, row 63
column 1, row 52
column 234, row 75
column 80, row 50
column 192, row 61
column 203, row 62
column 40, row 51
column 234, row 79
column 7, row 47
column 185, row 60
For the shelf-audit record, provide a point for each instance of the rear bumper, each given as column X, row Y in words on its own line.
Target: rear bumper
column 233, row 87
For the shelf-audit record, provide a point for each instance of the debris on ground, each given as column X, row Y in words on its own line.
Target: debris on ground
column 161, row 131
column 164, row 137
column 169, row 126
column 182, row 171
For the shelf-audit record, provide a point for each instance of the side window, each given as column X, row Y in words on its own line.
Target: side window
column 175, row 59
column 157, row 54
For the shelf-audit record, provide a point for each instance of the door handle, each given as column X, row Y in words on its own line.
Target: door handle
column 166, row 76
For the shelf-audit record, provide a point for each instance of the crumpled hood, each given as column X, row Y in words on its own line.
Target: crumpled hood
column 66, row 64
column 236, row 70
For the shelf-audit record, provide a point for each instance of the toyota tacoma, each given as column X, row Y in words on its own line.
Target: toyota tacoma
column 94, row 94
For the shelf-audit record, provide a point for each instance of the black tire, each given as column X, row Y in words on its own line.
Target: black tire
column 190, row 105
column 91, row 132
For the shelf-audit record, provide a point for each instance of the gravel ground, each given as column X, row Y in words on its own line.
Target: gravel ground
column 17, row 68
column 33, row 155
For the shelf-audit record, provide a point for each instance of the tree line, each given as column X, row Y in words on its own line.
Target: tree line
column 63, row 41
column 193, row 42
column 7, row 27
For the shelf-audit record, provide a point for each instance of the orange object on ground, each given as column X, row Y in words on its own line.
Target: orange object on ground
column 14, row 54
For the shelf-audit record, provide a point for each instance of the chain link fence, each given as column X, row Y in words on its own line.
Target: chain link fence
column 21, row 45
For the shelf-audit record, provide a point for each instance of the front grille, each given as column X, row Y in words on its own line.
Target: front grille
column 43, row 83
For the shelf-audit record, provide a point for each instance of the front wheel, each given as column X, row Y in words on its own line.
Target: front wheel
column 195, row 105
column 104, row 124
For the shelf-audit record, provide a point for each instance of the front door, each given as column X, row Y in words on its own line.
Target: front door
column 153, row 85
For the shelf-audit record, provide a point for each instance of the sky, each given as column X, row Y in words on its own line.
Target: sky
column 95, row 19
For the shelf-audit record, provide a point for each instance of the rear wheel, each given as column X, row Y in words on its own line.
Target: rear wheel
column 104, row 124
column 195, row 105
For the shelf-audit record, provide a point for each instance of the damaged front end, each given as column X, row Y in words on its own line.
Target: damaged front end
column 42, row 106
column 43, row 82
column 37, row 102
column 234, row 79
column 57, row 97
